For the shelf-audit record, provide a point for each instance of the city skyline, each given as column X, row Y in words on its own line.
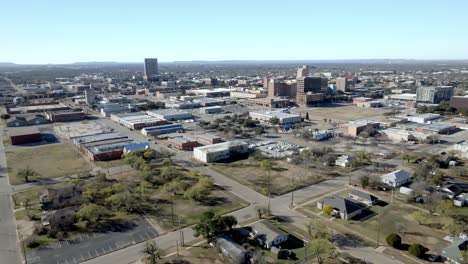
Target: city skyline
column 212, row 31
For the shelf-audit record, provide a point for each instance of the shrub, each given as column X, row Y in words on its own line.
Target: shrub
column 394, row 240
column 327, row 209
column 416, row 250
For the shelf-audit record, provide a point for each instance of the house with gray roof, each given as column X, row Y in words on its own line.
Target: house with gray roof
column 453, row 252
column 268, row 235
column 345, row 208
column 363, row 197
column 232, row 251
column 396, row 178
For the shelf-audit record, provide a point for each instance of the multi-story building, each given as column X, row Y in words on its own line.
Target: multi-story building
column 151, row 71
column 434, row 94
column 354, row 128
column 459, row 102
column 302, row 71
column 342, row 84
column 89, row 95
column 306, row 87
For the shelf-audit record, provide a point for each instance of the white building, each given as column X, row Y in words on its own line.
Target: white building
column 462, row 148
column 220, row 151
column 211, row 109
column 285, row 119
column 424, row 118
column 169, row 114
column 396, row 178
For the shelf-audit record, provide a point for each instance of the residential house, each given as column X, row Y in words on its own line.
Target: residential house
column 453, row 252
column 61, row 218
column 396, row 178
column 231, row 250
column 453, row 190
column 343, row 207
column 268, row 235
column 343, row 161
column 362, row 197
column 60, row 197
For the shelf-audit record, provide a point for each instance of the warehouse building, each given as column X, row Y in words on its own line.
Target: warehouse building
column 285, row 119
column 424, row 118
column 162, row 129
column 211, row 109
column 137, row 121
column 26, row 120
column 182, row 143
column 208, row 139
column 106, row 146
column 170, row 115
column 220, row 151
column 36, row 108
column 24, row 135
column 354, row 128
column 65, row 116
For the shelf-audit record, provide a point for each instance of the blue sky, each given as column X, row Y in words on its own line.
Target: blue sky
column 65, row 31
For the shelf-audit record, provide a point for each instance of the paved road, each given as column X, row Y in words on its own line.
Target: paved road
column 9, row 250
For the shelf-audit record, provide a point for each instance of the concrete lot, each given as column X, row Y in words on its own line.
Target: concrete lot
column 89, row 246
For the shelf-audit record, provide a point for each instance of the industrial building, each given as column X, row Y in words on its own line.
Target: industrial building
column 74, row 130
column 208, row 139
column 285, row 119
column 182, row 143
column 162, row 129
column 26, row 120
column 424, row 118
column 170, row 115
column 65, row 116
column 106, row 146
column 220, row 151
column 211, row 109
column 36, row 108
column 137, row 121
column 24, row 135
column 112, row 108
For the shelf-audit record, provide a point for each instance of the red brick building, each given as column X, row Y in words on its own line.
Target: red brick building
column 24, row 135
column 183, row 143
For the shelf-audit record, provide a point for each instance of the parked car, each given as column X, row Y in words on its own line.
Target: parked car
column 434, row 258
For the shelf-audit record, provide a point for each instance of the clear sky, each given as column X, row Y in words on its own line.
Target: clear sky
column 66, row 31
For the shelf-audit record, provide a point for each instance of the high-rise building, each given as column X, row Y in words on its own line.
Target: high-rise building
column 302, row 71
column 434, row 94
column 151, row 69
column 306, row 87
column 342, row 84
column 89, row 95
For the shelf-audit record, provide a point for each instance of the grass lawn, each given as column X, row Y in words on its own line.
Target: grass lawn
column 249, row 173
column 188, row 213
column 110, row 163
column 200, row 254
column 393, row 218
column 49, row 161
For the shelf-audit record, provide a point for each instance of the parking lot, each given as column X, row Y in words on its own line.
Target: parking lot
column 92, row 245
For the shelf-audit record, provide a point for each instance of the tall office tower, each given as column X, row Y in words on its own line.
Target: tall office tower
column 434, row 95
column 89, row 95
column 151, row 69
column 302, row 71
column 342, row 84
column 306, row 87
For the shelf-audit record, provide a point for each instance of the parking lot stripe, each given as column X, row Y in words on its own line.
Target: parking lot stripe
column 141, row 237
column 74, row 260
column 103, row 250
column 110, row 248
column 97, row 253
column 89, row 253
column 82, row 258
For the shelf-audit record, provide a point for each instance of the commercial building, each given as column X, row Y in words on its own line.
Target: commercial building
column 211, row 109
column 354, row 128
column 285, row 119
column 151, row 70
column 439, row 128
column 424, row 118
column 106, row 146
column 112, row 108
column 399, row 135
column 459, row 102
column 434, row 95
column 302, row 71
column 65, row 116
column 182, row 143
column 277, row 87
column 220, row 151
column 24, row 135
column 246, row 95
column 342, row 84
column 309, row 90
column 137, row 121
column 216, row 92
column 36, row 108
column 208, row 139
column 169, row 114
column 270, row 102
column 209, row 101
column 162, row 129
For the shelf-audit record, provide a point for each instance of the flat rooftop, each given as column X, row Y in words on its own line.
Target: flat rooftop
column 100, row 137
column 73, row 130
column 208, row 136
column 42, row 107
column 168, row 112
column 21, row 131
column 221, row 146
column 182, row 139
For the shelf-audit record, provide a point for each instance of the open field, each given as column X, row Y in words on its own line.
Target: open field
column 188, row 213
column 341, row 112
column 249, row 173
column 49, row 161
column 200, row 254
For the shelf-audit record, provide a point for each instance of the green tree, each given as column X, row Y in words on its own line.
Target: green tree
column 416, row 250
column 148, row 154
column 394, row 240
column 321, row 249
column 464, row 256
column 364, row 181
column 327, row 210
column 317, row 229
column 210, row 225
column 200, row 190
column 274, row 121
column 152, row 252
column 172, row 188
column 92, row 213
column 26, row 174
